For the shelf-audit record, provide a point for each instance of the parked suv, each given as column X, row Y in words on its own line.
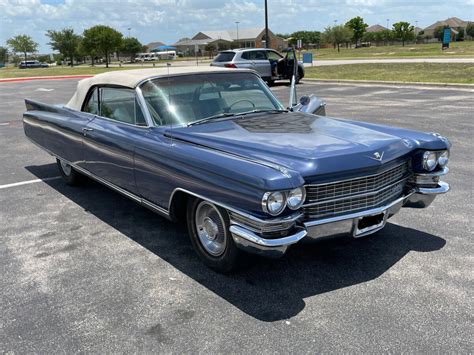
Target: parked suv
column 270, row 64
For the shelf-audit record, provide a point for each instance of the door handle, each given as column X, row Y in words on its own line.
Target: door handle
column 86, row 129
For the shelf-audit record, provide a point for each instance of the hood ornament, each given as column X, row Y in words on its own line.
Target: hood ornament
column 377, row 156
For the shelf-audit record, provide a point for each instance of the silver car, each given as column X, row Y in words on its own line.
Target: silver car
column 270, row 64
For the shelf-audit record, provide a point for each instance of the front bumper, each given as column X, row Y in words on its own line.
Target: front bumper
column 420, row 196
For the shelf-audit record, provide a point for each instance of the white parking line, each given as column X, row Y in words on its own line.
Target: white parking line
column 28, row 182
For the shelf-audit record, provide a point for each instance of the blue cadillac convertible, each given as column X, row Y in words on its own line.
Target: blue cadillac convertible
column 215, row 148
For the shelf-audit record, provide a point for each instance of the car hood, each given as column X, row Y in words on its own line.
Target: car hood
column 304, row 143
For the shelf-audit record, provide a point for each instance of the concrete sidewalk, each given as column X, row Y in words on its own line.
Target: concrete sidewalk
column 390, row 60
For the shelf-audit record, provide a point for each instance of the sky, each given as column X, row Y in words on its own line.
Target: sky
column 169, row 20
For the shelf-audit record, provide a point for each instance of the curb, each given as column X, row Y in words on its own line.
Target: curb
column 31, row 78
column 405, row 83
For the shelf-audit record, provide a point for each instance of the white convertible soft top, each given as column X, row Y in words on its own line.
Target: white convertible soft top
column 131, row 78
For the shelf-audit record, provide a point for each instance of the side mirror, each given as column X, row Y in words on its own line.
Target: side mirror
column 304, row 100
column 311, row 104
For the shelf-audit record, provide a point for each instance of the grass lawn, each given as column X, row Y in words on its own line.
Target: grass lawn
column 12, row 72
column 409, row 72
column 429, row 50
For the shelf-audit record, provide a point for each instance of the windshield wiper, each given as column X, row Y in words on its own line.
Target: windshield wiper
column 210, row 118
column 231, row 114
column 259, row 111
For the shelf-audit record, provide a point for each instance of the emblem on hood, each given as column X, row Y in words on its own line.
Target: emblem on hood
column 377, row 156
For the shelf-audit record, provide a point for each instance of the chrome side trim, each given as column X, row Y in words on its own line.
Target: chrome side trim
column 165, row 212
column 289, row 218
column 372, row 211
column 124, row 192
column 114, row 187
column 345, row 197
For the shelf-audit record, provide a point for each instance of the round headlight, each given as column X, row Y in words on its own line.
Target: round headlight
column 273, row 202
column 295, row 198
column 430, row 160
column 443, row 158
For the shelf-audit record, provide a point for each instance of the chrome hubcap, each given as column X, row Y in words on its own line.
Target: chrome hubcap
column 210, row 228
column 66, row 168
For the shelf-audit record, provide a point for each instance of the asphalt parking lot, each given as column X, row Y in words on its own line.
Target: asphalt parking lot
column 86, row 270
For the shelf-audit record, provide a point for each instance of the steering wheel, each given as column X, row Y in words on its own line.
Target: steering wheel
column 239, row 101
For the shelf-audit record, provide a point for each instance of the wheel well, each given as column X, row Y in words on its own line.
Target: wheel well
column 179, row 204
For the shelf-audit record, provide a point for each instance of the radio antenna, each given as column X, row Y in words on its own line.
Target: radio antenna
column 293, row 97
column 170, row 105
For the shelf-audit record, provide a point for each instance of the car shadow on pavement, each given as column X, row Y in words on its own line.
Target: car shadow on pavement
column 268, row 289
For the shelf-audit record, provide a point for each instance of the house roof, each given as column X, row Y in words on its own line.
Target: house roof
column 231, row 35
column 132, row 78
column 152, row 45
column 452, row 22
column 376, row 28
column 194, row 42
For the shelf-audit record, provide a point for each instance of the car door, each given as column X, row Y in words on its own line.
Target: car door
column 274, row 58
column 110, row 138
column 261, row 63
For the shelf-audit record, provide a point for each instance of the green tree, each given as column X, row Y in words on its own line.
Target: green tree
column 3, row 54
column 65, row 42
column 131, row 46
column 403, row 31
column 210, row 48
column 103, row 40
column 358, row 26
column 337, row 35
column 470, row 29
column 307, row 37
column 23, row 44
column 87, row 48
column 369, row 37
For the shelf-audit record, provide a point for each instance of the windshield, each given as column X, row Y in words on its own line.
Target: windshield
column 180, row 100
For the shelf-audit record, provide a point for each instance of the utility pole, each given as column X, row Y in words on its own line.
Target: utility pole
column 237, row 24
column 267, row 40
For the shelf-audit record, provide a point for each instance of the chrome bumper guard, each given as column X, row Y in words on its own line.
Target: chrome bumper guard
column 420, row 196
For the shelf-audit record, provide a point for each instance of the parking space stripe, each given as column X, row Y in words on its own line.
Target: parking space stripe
column 15, row 184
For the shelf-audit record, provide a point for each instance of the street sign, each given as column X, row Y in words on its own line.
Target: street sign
column 446, row 38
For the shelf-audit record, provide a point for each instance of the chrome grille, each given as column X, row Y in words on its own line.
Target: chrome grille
column 332, row 199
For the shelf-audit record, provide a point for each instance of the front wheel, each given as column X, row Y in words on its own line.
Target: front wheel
column 69, row 175
column 208, row 227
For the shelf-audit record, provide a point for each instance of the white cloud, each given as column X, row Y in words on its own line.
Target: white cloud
column 169, row 20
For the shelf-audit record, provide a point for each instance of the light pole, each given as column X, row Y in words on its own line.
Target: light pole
column 387, row 23
column 129, row 29
column 266, row 25
column 237, row 24
column 416, row 31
